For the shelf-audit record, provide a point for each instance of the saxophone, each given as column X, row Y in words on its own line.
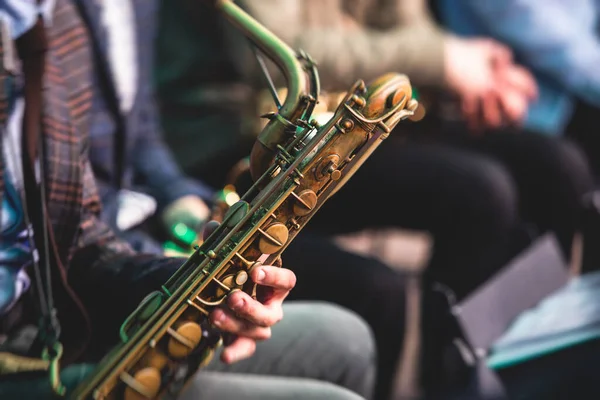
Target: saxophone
column 296, row 165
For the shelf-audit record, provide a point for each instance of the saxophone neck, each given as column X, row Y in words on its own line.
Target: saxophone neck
column 301, row 80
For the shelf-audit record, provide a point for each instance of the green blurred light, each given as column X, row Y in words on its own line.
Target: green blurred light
column 184, row 234
column 172, row 246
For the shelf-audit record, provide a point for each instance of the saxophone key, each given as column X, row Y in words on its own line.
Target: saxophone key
column 273, row 238
column 224, row 285
column 155, row 358
column 304, row 202
column 236, row 213
column 241, row 278
column 184, row 339
column 143, row 385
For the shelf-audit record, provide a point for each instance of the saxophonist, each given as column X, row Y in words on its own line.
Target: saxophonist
column 66, row 282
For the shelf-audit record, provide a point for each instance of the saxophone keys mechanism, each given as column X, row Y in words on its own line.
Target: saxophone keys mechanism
column 231, row 282
column 144, row 385
column 328, row 167
column 304, row 202
column 334, row 173
column 184, row 339
column 241, row 278
column 347, row 125
column 273, row 238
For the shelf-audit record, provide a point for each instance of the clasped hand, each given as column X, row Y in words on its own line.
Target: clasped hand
column 493, row 89
column 251, row 320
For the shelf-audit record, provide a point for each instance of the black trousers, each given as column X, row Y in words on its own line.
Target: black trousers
column 583, row 129
column 474, row 195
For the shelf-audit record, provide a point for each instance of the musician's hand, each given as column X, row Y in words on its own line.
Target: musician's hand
column 251, row 320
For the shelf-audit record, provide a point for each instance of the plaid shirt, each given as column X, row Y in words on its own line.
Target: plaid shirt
column 88, row 261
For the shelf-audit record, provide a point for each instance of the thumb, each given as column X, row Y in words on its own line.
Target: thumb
column 519, row 78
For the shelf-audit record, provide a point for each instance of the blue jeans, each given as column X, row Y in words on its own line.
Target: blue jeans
column 318, row 351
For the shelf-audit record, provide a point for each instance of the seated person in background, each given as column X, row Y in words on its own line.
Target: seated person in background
column 56, row 252
column 472, row 193
column 559, row 42
column 127, row 151
column 351, row 40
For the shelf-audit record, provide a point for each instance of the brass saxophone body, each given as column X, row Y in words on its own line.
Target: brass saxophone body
column 296, row 165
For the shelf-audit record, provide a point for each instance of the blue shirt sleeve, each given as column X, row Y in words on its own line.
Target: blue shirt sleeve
column 556, row 38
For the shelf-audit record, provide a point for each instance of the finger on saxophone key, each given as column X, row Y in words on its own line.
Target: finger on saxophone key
column 273, row 276
column 233, row 325
column 265, row 315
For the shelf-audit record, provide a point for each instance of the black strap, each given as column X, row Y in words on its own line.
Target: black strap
column 32, row 47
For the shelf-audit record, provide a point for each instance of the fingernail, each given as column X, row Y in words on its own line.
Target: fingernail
column 260, row 275
column 233, row 357
column 219, row 317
